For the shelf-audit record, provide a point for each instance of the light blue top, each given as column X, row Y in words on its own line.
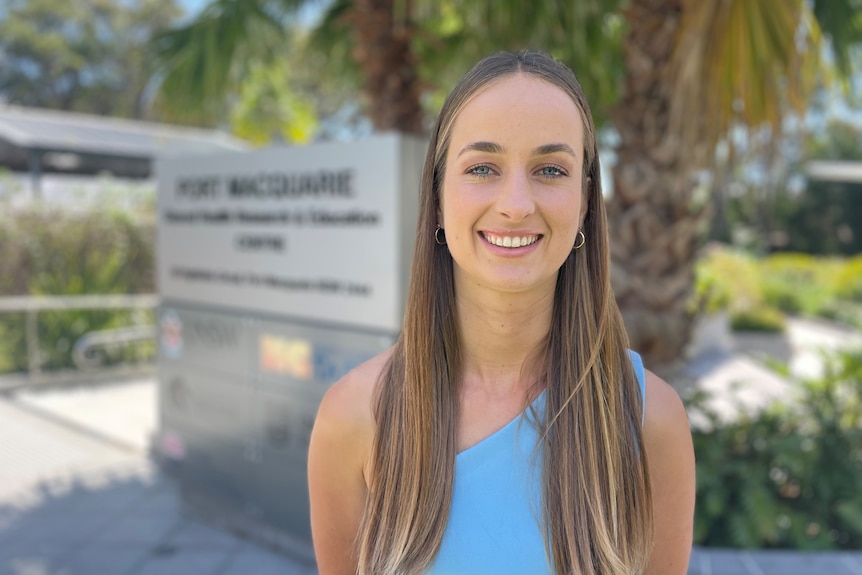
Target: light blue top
column 494, row 520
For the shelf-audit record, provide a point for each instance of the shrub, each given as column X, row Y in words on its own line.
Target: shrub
column 782, row 296
column 848, row 283
column 48, row 251
column 799, row 283
column 788, row 477
column 792, row 283
column 726, row 279
column 763, row 319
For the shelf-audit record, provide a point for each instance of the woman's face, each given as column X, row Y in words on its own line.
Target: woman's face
column 511, row 202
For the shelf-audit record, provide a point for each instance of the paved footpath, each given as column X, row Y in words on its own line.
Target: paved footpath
column 74, row 504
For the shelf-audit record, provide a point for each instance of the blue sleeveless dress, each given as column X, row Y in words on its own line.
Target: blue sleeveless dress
column 494, row 520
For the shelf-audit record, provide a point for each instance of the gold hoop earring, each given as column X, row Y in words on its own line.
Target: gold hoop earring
column 437, row 236
column 579, row 245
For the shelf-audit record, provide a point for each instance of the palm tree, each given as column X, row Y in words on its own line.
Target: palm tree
column 693, row 69
column 687, row 70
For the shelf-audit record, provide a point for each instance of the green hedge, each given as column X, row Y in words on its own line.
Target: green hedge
column 45, row 250
column 763, row 319
column 789, row 477
column 849, row 280
column 800, row 284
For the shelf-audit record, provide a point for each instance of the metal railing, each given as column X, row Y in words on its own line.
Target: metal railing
column 84, row 353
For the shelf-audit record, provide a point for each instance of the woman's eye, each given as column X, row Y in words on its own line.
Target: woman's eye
column 480, row 170
column 552, row 171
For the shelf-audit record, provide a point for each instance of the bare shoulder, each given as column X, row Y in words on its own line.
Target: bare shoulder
column 670, row 454
column 345, row 419
column 346, row 411
column 338, row 456
column 351, row 396
column 667, row 436
column 665, row 412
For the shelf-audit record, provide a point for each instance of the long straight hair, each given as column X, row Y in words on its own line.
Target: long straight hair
column 597, row 505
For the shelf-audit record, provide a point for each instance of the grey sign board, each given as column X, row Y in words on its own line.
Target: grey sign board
column 279, row 271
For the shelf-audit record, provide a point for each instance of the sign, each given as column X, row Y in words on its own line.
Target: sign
column 322, row 232
column 279, row 271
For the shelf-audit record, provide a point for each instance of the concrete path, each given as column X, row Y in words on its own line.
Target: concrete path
column 810, row 339
column 95, row 410
column 734, row 375
column 735, row 562
column 72, row 503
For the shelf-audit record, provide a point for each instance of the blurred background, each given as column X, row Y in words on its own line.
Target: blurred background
column 731, row 147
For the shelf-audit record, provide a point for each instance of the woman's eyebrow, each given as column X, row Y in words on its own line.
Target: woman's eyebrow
column 554, row 148
column 494, row 148
column 488, row 147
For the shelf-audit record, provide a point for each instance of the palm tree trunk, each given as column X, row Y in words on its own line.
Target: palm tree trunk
column 383, row 52
column 653, row 225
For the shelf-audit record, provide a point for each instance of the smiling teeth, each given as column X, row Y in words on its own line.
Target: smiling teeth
column 511, row 242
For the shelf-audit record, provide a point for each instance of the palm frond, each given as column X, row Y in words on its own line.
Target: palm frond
column 196, row 61
column 585, row 34
column 741, row 61
column 841, row 22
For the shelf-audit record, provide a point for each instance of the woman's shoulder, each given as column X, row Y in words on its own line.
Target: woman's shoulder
column 351, row 396
column 338, row 464
column 664, row 410
column 347, row 409
column 670, row 454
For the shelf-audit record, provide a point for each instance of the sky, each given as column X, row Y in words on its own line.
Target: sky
column 193, row 6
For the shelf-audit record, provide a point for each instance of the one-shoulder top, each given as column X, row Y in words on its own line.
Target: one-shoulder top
column 495, row 517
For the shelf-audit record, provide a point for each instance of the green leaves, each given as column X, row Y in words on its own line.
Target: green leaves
column 745, row 60
column 741, row 60
column 841, row 22
column 205, row 63
column 585, row 34
column 267, row 109
column 790, row 477
column 201, row 60
column 235, row 66
column 46, row 251
column 81, row 55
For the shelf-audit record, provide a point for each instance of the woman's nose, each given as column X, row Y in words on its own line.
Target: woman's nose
column 516, row 197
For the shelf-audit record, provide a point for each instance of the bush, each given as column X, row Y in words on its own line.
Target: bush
column 763, row 319
column 799, row 283
column 48, row 251
column 788, row 477
column 782, row 296
column 726, row 279
column 848, row 283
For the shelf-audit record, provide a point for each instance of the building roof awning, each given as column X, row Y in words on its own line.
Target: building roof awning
column 39, row 129
column 834, row 171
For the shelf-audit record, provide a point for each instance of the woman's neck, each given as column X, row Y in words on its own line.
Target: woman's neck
column 502, row 335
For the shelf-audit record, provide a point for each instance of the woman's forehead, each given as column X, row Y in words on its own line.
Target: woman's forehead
column 518, row 111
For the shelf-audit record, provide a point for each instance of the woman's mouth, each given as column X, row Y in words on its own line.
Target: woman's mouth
column 510, row 241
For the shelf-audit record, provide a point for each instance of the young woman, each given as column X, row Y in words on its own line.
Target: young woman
column 509, row 430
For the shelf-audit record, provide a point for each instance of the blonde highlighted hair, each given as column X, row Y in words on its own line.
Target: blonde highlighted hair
column 597, row 506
